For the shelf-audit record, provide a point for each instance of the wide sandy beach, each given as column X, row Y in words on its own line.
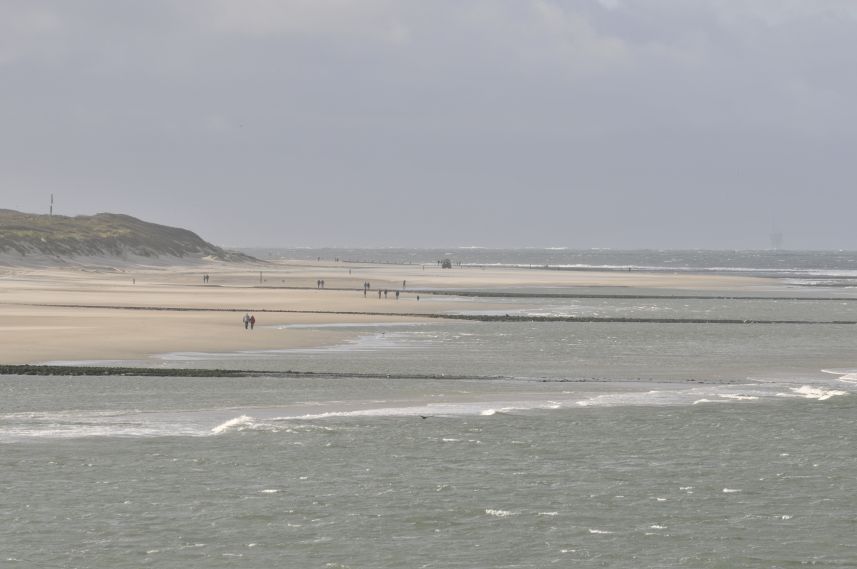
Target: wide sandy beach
column 120, row 312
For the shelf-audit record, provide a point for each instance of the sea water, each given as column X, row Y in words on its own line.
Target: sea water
column 456, row 444
column 262, row 472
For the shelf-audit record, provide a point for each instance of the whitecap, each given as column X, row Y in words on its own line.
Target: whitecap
column 849, row 378
column 810, row 392
column 738, row 397
column 237, row 423
column 499, row 513
column 599, row 531
column 730, row 490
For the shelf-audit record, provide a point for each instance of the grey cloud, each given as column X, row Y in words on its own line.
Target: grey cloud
column 658, row 123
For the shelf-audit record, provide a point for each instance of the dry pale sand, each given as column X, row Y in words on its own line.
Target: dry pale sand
column 61, row 314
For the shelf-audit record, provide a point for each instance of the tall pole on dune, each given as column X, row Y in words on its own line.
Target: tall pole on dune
column 51, row 211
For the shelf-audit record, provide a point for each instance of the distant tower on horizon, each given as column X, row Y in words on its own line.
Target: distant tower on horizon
column 776, row 240
column 776, row 237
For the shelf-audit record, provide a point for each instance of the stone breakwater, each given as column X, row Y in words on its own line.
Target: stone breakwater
column 54, row 370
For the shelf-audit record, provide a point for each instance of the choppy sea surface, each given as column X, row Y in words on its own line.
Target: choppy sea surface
column 465, row 444
column 810, row 267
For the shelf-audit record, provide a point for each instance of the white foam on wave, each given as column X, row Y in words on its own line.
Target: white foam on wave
column 738, row 397
column 88, row 424
column 849, row 378
column 731, row 490
column 712, row 394
column 509, row 409
column 237, row 423
column 812, row 392
column 308, row 416
column 289, row 419
column 600, row 531
column 656, row 397
column 499, row 513
column 845, row 375
column 287, row 422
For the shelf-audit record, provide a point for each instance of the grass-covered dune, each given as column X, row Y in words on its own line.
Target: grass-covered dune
column 100, row 235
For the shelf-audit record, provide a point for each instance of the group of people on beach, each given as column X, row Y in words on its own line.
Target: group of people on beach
column 319, row 283
column 249, row 321
column 205, row 278
column 385, row 292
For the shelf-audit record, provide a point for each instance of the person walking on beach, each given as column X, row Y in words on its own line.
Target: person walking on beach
column 246, row 320
column 397, row 295
column 252, row 321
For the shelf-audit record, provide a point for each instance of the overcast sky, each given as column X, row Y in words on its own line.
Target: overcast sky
column 579, row 123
